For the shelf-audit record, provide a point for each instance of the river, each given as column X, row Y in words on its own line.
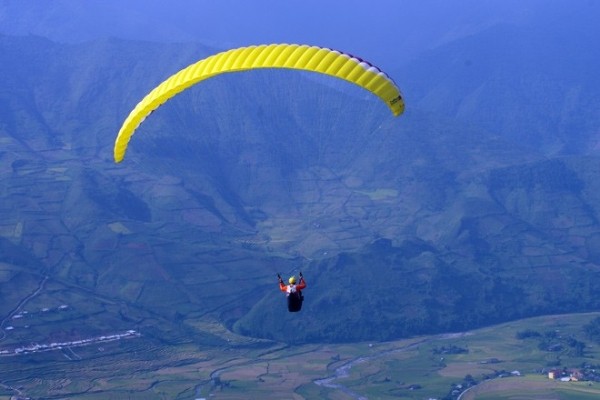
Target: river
column 343, row 371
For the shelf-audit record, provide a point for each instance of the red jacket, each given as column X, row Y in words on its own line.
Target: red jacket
column 289, row 288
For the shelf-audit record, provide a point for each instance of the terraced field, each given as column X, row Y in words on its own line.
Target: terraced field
column 490, row 364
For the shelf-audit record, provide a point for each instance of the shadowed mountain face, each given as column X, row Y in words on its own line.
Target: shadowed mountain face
column 430, row 222
column 532, row 84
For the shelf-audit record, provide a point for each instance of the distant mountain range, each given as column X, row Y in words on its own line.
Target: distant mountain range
column 479, row 205
column 534, row 85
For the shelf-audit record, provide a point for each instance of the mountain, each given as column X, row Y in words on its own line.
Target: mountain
column 388, row 32
column 433, row 221
column 533, row 84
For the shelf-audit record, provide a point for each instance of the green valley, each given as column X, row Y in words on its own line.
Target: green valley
column 498, row 362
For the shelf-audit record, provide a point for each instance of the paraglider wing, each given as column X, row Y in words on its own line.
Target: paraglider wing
column 292, row 56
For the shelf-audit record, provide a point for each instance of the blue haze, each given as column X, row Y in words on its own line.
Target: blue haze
column 387, row 32
column 495, row 85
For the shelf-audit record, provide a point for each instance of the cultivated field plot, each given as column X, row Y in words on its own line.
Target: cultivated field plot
column 531, row 388
column 509, row 361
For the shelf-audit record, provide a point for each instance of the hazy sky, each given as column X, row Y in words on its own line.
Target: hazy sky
column 386, row 32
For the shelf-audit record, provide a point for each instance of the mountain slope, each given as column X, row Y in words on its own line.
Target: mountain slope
column 535, row 84
column 272, row 171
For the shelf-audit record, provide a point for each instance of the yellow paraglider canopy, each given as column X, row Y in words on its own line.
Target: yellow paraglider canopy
column 292, row 56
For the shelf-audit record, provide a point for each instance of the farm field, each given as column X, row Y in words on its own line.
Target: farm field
column 491, row 364
column 531, row 388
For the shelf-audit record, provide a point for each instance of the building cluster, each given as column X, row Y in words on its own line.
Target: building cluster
column 33, row 348
column 573, row 375
column 23, row 314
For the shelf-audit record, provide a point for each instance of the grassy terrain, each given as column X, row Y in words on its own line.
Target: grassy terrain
column 532, row 388
column 266, row 172
column 187, row 235
column 416, row 368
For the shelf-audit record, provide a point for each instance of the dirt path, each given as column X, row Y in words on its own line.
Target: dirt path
column 20, row 306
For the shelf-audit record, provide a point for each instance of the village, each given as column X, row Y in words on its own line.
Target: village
column 33, row 348
column 586, row 373
column 36, row 347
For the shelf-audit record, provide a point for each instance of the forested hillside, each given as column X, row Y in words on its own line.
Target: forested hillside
column 429, row 222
